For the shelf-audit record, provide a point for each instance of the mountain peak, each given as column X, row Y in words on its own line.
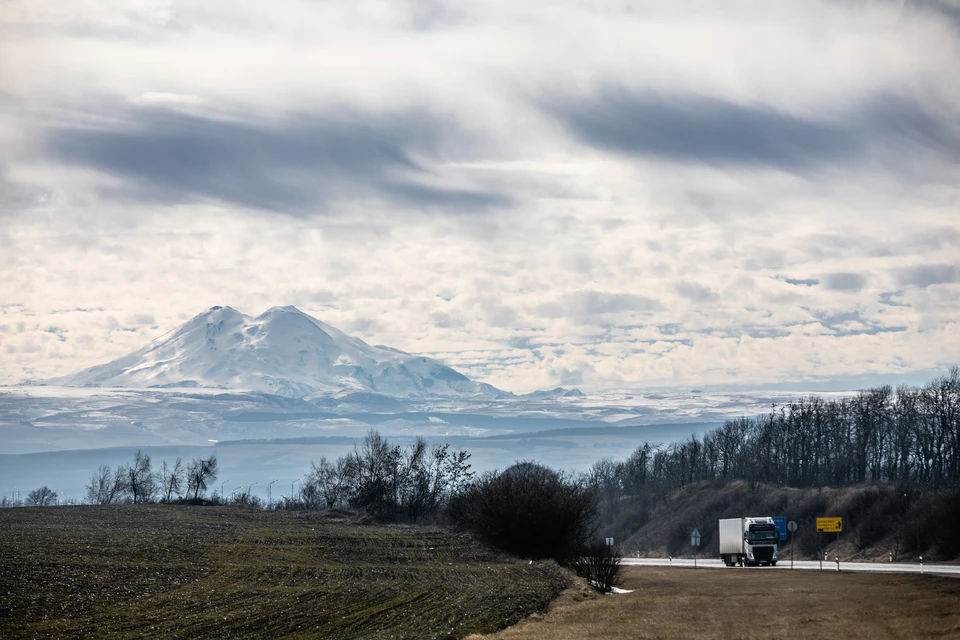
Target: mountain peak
column 282, row 309
column 222, row 310
column 283, row 351
column 213, row 315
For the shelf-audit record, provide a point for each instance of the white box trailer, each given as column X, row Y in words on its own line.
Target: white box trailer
column 749, row 541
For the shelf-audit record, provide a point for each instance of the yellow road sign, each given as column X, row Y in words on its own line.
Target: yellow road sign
column 829, row 525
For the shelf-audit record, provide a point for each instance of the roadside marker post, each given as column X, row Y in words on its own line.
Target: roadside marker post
column 695, row 543
column 792, row 528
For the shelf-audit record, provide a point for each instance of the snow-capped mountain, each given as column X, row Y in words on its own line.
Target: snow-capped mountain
column 283, row 351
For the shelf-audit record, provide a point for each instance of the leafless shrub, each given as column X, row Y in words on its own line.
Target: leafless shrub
column 599, row 564
column 42, row 497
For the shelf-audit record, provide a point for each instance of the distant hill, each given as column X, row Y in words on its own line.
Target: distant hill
column 283, row 351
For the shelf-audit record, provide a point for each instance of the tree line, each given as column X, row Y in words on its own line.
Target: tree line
column 905, row 435
column 387, row 481
column 139, row 483
column 390, row 482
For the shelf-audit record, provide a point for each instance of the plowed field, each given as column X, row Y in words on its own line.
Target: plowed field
column 180, row 571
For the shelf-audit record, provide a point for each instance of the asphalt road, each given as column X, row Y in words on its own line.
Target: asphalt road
column 784, row 564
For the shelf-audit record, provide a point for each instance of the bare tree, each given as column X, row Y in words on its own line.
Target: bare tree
column 606, row 478
column 121, row 487
column 389, row 482
column 105, row 486
column 42, row 497
column 330, row 483
column 140, row 480
column 172, row 479
column 431, row 477
column 201, row 472
column 376, row 465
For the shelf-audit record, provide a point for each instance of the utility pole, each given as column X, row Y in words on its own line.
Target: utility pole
column 270, row 492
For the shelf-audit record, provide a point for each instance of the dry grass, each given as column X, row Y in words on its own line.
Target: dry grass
column 688, row 603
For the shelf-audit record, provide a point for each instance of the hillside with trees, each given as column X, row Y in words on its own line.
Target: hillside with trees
column 888, row 459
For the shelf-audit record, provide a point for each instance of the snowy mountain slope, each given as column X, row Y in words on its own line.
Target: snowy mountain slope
column 283, row 351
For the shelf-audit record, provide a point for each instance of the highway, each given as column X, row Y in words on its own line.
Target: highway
column 784, row 564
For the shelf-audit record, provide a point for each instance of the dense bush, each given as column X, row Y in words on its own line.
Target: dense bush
column 945, row 522
column 529, row 510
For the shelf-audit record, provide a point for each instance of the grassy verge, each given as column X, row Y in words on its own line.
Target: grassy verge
column 170, row 571
column 689, row 603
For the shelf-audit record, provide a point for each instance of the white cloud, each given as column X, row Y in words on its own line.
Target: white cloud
column 156, row 98
column 423, row 175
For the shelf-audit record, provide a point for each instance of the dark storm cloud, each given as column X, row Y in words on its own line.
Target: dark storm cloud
column 844, row 281
column 18, row 196
column 802, row 282
column 694, row 291
column 892, row 299
column 945, row 9
column 598, row 302
column 696, row 128
column 930, row 274
column 297, row 166
column 585, row 304
column 853, row 323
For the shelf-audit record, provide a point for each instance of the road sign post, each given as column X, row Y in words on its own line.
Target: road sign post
column 829, row 525
column 792, row 528
column 695, row 543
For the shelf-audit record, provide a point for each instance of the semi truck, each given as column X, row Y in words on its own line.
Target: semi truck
column 749, row 541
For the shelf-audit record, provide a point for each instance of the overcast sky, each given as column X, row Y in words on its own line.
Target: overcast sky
column 592, row 194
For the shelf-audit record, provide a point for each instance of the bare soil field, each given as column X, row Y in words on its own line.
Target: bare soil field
column 751, row 603
column 163, row 571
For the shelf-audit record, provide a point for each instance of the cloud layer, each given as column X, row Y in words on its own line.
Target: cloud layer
column 613, row 195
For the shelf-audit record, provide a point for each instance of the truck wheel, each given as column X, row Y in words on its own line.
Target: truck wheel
column 773, row 564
